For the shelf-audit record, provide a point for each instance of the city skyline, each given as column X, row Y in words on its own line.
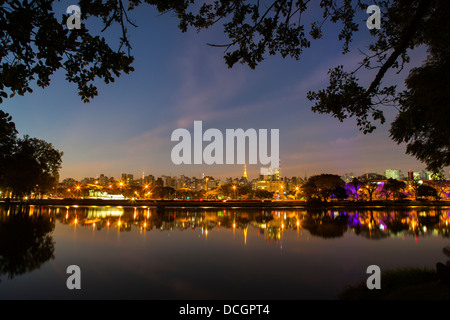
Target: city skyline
column 397, row 174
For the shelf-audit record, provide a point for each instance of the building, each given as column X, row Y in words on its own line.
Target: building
column 103, row 180
column 372, row 176
column 159, row 183
column 271, row 186
column 127, row 178
column 270, row 174
column 210, row 183
column 393, row 174
column 348, row 177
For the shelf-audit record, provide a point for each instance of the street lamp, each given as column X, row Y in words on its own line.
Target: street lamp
column 235, row 193
column 121, row 187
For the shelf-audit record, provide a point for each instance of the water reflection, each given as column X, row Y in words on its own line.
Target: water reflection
column 370, row 223
column 326, row 224
column 25, row 240
column 158, row 250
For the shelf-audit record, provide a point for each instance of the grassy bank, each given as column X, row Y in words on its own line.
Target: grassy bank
column 401, row 284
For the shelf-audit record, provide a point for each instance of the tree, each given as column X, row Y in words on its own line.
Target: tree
column 226, row 190
column 393, row 187
column 422, row 119
column 415, row 185
column 340, row 193
column 370, row 187
column 163, row 192
column 32, row 166
column 26, row 164
column 322, row 186
column 323, row 225
column 26, row 242
column 356, row 184
column 211, row 194
column 8, row 135
column 168, row 192
column 440, row 185
column 35, row 44
column 245, row 191
column 263, row 194
column 425, row 191
column 186, row 193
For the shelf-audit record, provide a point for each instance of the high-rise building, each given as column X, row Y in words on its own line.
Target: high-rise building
column 393, row 174
column 410, row 175
column 127, row 178
column 103, row 180
column 348, row 177
column 159, row 183
column 270, row 174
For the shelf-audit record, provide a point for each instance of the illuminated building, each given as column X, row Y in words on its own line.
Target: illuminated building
column 270, row 174
column 271, row 186
column 127, row 178
column 392, row 174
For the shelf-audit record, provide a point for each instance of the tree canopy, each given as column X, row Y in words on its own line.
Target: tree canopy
column 26, row 164
column 26, row 242
column 34, row 43
column 393, row 186
column 324, row 186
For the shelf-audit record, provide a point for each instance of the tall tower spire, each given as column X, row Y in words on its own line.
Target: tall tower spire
column 245, row 171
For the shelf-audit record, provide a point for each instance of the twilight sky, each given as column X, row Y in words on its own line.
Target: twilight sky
column 179, row 79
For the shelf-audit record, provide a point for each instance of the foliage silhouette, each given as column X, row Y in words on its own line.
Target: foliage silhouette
column 323, row 186
column 35, row 44
column 25, row 241
column 322, row 224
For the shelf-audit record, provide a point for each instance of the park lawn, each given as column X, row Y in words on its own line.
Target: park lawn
column 401, row 284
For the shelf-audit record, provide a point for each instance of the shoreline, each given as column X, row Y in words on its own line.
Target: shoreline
column 277, row 204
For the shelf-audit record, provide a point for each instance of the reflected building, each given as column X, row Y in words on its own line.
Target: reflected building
column 272, row 224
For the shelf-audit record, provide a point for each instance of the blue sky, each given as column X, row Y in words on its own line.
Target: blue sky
column 179, row 79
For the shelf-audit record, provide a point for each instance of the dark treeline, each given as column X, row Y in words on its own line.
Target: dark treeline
column 27, row 165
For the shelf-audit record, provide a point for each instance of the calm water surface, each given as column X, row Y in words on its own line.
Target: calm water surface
column 138, row 253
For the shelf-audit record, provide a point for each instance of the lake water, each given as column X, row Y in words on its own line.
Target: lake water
column 195, row 253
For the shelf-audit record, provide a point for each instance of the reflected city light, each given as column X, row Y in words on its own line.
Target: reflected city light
column 272, row 224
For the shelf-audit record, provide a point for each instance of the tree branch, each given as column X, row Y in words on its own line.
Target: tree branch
column 401, row 47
